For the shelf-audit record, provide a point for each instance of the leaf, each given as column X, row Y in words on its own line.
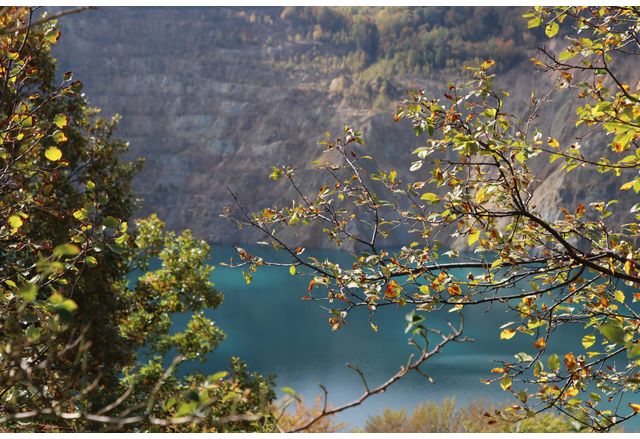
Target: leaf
column 59, row 137
column 553, row 143
column 292, row 270
column 635, row 407
column 588, row 340
column 473, row 237
column 541, row 343
column 60, row 121
column 507, row 334
column 424, row 289
column 454, row 290
column 430, row 197
column 551, row 29
column 291, row 392
column 52, row 36
column 619, row 295
column 66, row 250
column 15, row 222
column 218, row 376
column 566, row 55
column 628, row 185
column 481, row 195
column 80, row 214
column 505, row 383
column 554, row 362
column 29, row 293
column 186, row 408
column 534, row 22
column 488, row 63
column 53, row 153
column 612, row 332
column 111, row 222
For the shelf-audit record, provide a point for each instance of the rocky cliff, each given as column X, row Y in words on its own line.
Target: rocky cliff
column 211, row 97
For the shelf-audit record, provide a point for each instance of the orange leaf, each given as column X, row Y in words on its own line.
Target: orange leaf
column 540, row 344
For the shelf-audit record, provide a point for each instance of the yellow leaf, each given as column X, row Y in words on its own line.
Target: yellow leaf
column 507, row 334
column 481, row 195
column 60, row 121
column 505, row 383
column 473, row 237
column 572, row 391
column 53, row 154
column 635, row 407
column 454, row 290
column 488, row 63
column 628, row 266
column 15, row 221
column 59, row 137
column 619, row 295
column 588, row 340
column 553, row 143
column 628, row 185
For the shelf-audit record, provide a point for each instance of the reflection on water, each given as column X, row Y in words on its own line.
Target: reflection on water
column 275, row 332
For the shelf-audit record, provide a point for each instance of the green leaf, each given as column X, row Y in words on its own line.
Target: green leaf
column 430, row 197
column 186, row 408
column 292, row 270
column 554, row 362
column 53, row 153
column 551, row 29
column 424, row 289
column 218, row 376
column 505, row 383
column 291, row 392
column 64, row 307
column 613, row 332
column 534, row 22
column 566, row 55
column 111, row 222
column 29, row 293
column 633, row 350
column 66, row 250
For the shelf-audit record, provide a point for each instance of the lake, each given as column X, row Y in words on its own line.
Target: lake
column 275, row 332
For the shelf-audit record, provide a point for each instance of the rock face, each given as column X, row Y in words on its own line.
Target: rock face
column 205, row 101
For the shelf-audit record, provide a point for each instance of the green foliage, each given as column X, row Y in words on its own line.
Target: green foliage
column 82, row 348
column 379, row 46
column 475, row 417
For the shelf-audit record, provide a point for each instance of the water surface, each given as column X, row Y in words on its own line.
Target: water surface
column 275, row 332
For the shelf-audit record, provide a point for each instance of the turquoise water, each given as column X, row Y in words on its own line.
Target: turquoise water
column 275, row 332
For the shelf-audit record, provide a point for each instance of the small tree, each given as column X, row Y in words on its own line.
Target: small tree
column 474, row 180
column 72, row 326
